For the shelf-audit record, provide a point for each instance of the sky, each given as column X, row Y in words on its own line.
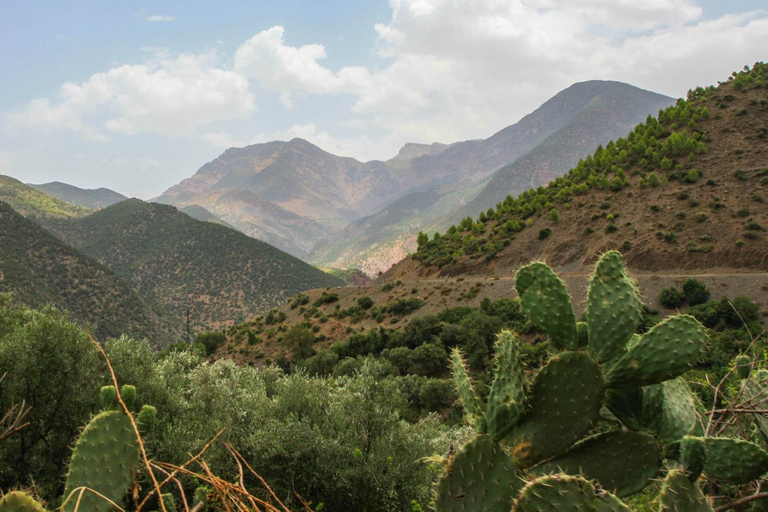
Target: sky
column 136, row 96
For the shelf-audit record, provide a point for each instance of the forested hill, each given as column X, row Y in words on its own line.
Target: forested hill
column 686, row 190
column 219, row 274
column 41, row 270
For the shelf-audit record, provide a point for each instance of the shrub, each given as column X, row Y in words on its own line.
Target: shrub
column 695, row 292
column 326, row 298
column 670, row 297
column 544, row 233
column 365, row 302
column 210, row 340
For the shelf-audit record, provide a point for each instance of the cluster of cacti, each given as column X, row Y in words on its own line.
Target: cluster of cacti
column 604, row 370
column 104, row 461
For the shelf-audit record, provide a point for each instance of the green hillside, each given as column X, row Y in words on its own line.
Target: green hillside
column 684, row 190
column 88, row 198
column 34, row 204
column 221, row 275
column 40, row 270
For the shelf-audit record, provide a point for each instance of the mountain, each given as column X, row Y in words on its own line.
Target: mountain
column 683, row 195
column 41, row 270
column 290, row 194
column 219, row 274
column 200, row 213
column 541, row 146
column 686, row 190
column 87, row 198
column 34, row 204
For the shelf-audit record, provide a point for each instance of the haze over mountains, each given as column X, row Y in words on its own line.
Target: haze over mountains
column 339, row 212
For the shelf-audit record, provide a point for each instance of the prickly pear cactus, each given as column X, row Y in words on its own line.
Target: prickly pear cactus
column 733, row 460
column 546, row 301
column 565, row 493
column 505, row 400
column 564, row 402
column 679, row 494
column 614, row 308
column 104, row 460
column 18, row 501
column 473, row 411
column 621, row 462
column 669, row 410
column 481, row 476
column 693, row 456
column 667, row 351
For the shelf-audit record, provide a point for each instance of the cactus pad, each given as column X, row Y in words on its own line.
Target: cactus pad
column 669, row 410
column 614, row 308
column 733, row 460
column 104, row 460
column 693, row 455
column 668, row 350
column 564, row 401
column 128, row 394
column 466, row 392
column 18, row 501
column 505, row 400
column 621, row 462
column 565, row 493
column 108, row 397
column 481, row 476
column 546, row 302
column 679, row 494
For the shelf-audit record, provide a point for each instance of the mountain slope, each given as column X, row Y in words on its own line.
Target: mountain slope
column 287, row 193
column 611, row 111
column 87, row 198
column 543, row 145
column 221, row 275
column 39, row 269
column 295, row 195
column 685, row 191
column 34, row 204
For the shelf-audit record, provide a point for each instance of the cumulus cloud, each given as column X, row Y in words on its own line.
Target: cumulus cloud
column 171, row 95
column 279, row 67
column 159, row 18
column 441, row 70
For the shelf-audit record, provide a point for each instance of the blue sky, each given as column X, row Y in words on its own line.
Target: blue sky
column 137, row 96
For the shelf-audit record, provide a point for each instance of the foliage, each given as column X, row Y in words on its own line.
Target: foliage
column 695, row 292
column 671, row 297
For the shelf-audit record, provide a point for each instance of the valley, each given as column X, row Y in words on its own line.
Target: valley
column 610, row 248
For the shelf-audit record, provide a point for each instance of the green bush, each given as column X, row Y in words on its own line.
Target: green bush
column 365, row 302
column 671, row 298
column 210, row 340
column 695, row 292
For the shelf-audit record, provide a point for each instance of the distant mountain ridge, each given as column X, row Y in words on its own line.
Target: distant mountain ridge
column 342, row 213
column 542, row 146
column 87, row 198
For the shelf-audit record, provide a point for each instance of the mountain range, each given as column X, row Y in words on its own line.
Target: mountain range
column 341, row 213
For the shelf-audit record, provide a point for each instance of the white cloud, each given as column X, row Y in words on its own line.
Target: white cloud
column 278, row 67
column 158, row 18
column 170, row 95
